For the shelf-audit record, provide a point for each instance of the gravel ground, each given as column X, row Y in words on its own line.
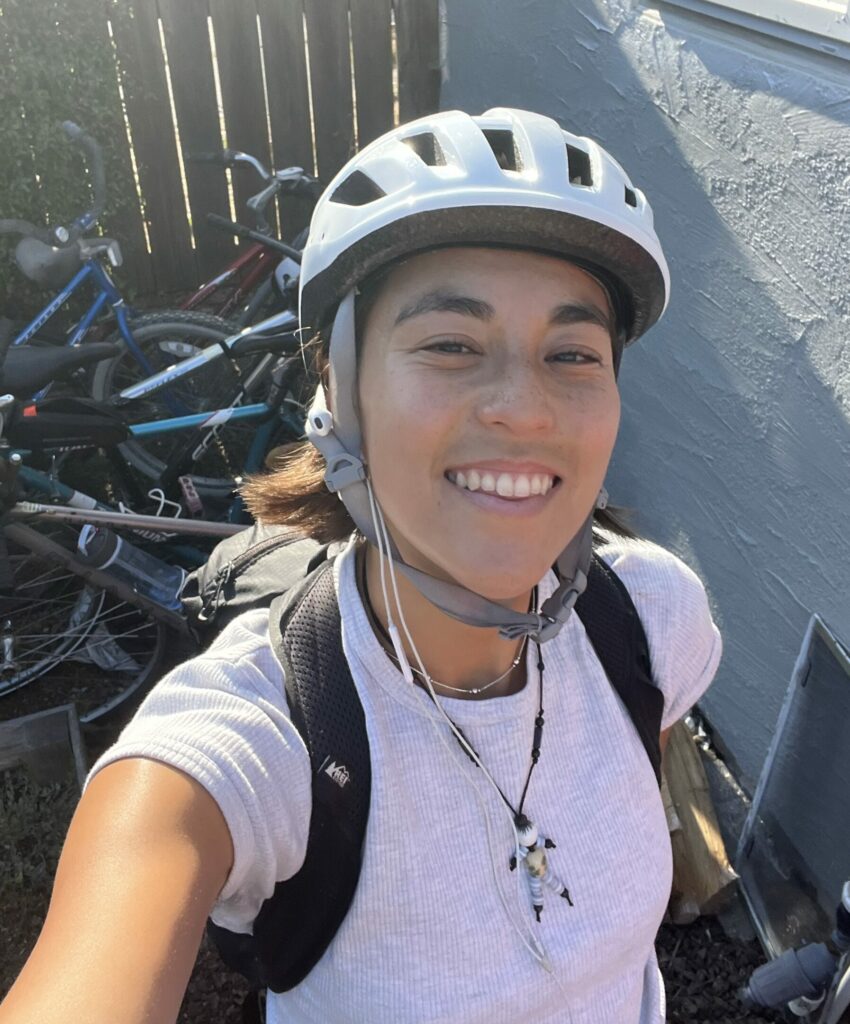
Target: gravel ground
column 703, row 968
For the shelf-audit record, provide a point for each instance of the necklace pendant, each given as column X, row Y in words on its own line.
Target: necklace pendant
column 533, row 849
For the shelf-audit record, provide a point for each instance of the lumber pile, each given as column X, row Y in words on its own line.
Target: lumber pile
column 703, row 878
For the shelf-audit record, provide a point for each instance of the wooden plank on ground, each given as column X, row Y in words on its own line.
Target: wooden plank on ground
column 47, row 743
column 330, row 83
column 242, row 94
column 418, row 41
column 136, row 31
column 371, row 43
column 703, row 879
column 289, row 100
column 190, row 63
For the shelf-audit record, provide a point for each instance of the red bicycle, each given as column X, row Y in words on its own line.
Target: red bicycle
column 257, row 282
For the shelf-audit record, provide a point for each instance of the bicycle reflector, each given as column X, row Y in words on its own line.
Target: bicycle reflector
column 61, row 424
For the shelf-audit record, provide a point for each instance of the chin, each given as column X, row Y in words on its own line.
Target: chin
column 501, row 583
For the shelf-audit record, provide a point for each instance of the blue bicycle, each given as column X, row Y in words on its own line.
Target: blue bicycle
column 62, row 258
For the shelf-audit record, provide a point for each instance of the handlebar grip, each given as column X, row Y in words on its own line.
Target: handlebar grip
column 224, row 157
column 27, row 230
column 241, row 231
column 73, row 131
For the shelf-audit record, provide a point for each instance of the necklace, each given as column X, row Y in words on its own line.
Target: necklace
column 531, row 846
column 474, row 690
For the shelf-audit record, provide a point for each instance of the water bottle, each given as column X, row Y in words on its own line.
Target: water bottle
column 148, row 575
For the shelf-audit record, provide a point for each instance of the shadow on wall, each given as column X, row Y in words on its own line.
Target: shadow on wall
column 735, row 442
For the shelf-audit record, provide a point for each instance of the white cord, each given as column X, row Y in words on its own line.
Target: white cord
column 535, row 947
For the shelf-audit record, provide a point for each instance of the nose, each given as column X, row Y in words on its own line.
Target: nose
column 516, row 399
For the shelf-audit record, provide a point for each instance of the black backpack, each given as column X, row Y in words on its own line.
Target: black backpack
column 297, row 923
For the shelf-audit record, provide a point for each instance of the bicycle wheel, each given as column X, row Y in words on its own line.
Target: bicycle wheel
column 167, row 338
column 75, row 642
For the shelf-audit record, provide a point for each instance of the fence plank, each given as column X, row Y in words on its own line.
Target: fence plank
column 136, row 31
column 330, row 82
column 190, row 63
column 418, row 35
column 373, row 68
column 242, row 95
column 289, row 102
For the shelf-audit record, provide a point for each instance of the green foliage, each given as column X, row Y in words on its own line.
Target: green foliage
column 57, row 63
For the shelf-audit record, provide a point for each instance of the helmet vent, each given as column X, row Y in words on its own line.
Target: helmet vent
column 358, row 189
column 579, row 166
column 631, row 198
column 504, row 147
column 427, row 148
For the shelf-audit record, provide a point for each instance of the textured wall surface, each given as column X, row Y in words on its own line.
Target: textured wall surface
column 735, row 444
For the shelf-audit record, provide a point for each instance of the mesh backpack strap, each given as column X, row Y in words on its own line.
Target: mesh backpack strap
column 297, row 923
column 614, row 628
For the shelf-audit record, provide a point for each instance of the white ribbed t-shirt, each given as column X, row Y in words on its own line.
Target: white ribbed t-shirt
column 440, row 928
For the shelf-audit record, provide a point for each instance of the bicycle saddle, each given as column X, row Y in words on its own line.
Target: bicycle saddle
column 45, row 264
column 27, row 369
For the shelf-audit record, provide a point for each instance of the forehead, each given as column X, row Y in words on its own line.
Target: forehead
column 503, row 277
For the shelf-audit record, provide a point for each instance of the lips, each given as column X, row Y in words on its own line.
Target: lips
column 502, row 483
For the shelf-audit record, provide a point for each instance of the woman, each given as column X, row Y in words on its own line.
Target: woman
column 474, row 281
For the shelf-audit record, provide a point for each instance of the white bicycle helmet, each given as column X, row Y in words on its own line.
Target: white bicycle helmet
column 506, row 178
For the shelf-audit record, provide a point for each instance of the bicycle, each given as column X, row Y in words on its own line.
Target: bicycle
column 256, row 279
column 60, row 257
column 56, row 609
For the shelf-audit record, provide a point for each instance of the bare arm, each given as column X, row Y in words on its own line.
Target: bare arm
column 146, row 855
column 662, row 739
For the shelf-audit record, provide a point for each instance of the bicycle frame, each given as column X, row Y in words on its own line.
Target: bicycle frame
column 285, row 321
column 257, row 263
column 106, row 292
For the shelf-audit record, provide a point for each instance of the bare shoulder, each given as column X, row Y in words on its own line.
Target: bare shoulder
column 146, row 855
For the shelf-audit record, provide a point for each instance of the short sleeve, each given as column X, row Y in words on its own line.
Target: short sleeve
column 222, row 719
column 684, row 643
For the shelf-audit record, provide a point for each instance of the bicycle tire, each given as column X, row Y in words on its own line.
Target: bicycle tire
column 76, row 642
column 167, row 337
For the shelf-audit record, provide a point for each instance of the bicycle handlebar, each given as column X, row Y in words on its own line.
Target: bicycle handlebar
column 234, row 228
column 23, row 227
column 92, row 149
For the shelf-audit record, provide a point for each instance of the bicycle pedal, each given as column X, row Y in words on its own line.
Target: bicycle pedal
column 191, row 498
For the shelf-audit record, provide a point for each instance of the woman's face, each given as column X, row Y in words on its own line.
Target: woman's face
column 489, row 410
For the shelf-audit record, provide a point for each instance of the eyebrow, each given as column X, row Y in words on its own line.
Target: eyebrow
column 444, row 301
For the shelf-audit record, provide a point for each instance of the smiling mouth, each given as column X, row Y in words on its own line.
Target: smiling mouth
column 504, row 485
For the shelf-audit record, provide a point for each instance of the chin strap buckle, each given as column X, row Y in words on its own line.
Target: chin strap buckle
column 558, row 608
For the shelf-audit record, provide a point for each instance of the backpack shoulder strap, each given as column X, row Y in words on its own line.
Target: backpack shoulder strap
column 613, row 626
column 297, row 923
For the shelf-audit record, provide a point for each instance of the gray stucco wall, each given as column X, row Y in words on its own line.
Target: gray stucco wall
column 735, row 444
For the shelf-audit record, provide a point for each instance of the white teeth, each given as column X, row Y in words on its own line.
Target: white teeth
column 506, row 485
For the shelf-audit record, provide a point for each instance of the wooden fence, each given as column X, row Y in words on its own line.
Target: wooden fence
column 301, row 82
